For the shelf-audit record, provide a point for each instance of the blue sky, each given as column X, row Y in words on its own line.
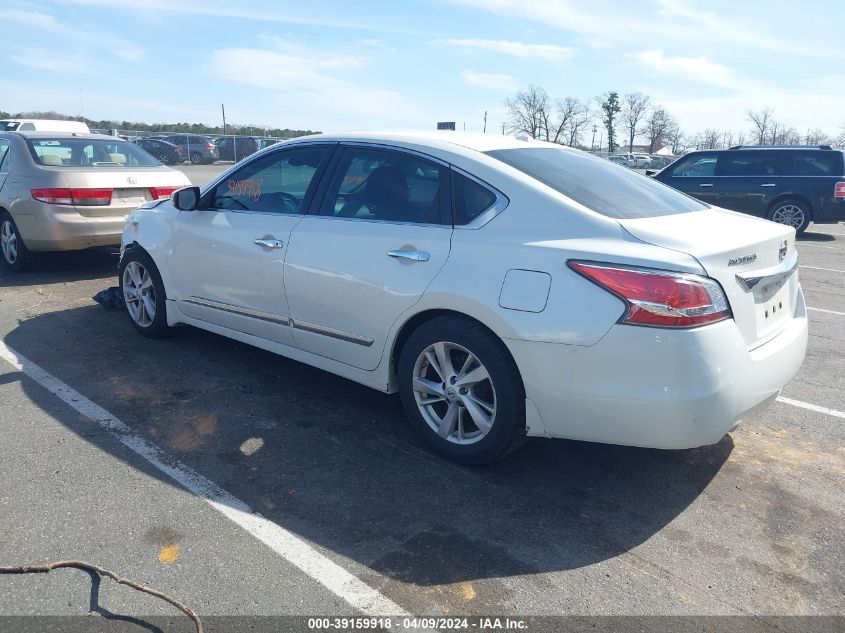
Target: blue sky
column 334, row 65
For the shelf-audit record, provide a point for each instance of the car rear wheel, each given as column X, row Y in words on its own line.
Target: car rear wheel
column 143, row 293
column 15, row 253
column 792, row 213
column 196, row 158
column 462, row 391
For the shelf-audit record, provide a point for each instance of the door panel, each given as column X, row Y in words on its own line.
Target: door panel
column 228, row 261
column 749, row 180
column 382, row 233
column 345, row 291
column 695, row 175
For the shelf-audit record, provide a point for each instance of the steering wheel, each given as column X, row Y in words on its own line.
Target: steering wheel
column 291, row 201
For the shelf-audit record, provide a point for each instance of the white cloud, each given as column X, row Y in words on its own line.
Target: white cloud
column 495, row 81
column 46, row 60
column 303, row 80
column 697, row 69
column 549, row 52
column 601, row 24
column 42, row 21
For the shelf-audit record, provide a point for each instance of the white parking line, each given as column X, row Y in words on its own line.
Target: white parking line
column 830, row 270
column 812, row 407
column 284, row 543
column 832, row 248
column 826, row 311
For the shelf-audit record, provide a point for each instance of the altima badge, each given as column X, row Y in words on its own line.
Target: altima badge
column 745, row 259
column 131, row 180
column 782, row 250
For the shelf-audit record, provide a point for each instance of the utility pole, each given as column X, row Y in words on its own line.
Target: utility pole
column 485, row 122
column 593, row 142
column 503, row 129
column 223, row 110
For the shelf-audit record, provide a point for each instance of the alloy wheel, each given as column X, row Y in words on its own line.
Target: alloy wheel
column 454, row 393
column 9, row 241
column 789, row 214
column 139, row 294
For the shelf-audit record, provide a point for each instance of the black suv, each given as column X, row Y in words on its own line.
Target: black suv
column 792, row 185
column 199, row 149
column 236, row 147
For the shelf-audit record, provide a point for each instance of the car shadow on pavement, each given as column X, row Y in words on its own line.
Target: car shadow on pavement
column 335, row 462
column 817, row 236
column 64, row 267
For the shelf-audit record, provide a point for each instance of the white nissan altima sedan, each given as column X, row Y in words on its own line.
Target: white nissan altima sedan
column 503, row 288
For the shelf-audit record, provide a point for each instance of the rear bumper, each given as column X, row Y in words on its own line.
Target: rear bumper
column 60, row 228
column 657, row 388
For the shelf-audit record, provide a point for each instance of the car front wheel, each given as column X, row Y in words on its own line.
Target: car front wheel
column 792, row 213
column 462, row 391
column 196, row 158
column 143, row 293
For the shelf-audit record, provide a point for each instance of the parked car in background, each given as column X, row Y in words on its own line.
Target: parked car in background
column 504, row 288
column 639, row 161
column 618, row 159
column 43, row 125
column 166, row 152
column 267, row 142
column 792, row 185
column 200, row 150
column 236, row 147
column 69, row 192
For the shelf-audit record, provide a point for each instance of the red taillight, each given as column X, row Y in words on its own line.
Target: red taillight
column 658, row 298
column 162, row 192
column 81, row 197
column 210, row 146
column 839, row 190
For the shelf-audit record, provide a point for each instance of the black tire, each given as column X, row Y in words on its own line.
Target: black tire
column 507, row 432
column 790, row 207
column 16, row 255
column 158, row 327
column 196, row 158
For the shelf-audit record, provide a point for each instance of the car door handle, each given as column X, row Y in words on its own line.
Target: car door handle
column 706, row 184
column 414, row 256
column 269, row 243
column 769, row 184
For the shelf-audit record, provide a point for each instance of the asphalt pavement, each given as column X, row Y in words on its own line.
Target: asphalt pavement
column 751, row 526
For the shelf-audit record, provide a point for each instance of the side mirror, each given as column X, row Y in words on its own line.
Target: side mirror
column 650, row 172
column 187, row 198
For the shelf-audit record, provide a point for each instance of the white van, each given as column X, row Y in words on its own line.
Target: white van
column 42, row 125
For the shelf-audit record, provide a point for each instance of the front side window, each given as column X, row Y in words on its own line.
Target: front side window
column 375, row 184
column 598, row 184
column 696, row 166
column 85, row 152
column 276, row 183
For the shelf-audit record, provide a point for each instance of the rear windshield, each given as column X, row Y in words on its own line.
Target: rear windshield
column 8, row 126
column 86, row 152
column 598, row 184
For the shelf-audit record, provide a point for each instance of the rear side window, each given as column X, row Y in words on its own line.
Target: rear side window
column 4, row 155
column 821, row 163
column 469, row 199
column 598, row 184
column 376, row 184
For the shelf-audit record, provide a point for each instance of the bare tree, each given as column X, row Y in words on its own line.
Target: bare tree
column 635, row 107
column 528, row 112
column 676, row 138
column 656, row 127
column 567, row 109
column 740, row 138
column 762, row 121
column 583, row 117
column 711, row 139
column 817, row 137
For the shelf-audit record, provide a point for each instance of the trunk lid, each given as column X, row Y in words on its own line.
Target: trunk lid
column 130, row 186
column 744, row 254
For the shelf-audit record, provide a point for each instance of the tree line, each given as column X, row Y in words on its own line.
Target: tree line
column 155, row 128
column 621, row 120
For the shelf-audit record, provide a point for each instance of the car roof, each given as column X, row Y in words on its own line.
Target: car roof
column 440, row 138
column 65, row 134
